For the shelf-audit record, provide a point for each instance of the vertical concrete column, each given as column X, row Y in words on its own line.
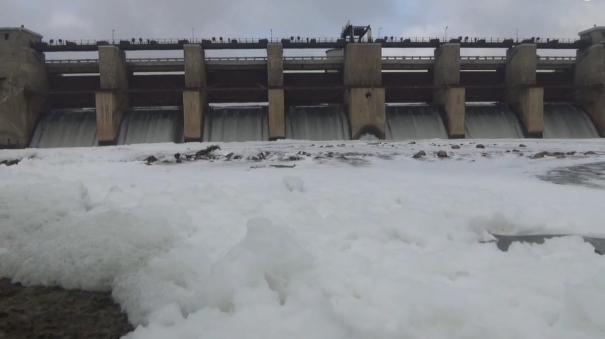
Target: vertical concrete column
column 527, row 101
column 113, row 100
column 194, row 98
column 590, row 83
column 364, row 96
column 275, row 80
column 23, row 86
column 449, row 97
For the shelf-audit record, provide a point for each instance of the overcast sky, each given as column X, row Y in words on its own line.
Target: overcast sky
column 95, row 19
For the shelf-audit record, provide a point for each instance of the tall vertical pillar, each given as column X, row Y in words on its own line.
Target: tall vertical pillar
column 526, row 99
column 590, row 83
column 23, row 86
column 275, row 79
column 194, row 99
column 364, row 96
column 112, row 101
column 449, row 97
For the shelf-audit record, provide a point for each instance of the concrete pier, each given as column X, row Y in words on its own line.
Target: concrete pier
column 111, row 102
column 23, row 83
column 450, row 99
column 194, row 99
column 275, row 80
column 354, row 74
column 522, row 95
column 364, row 99
column 277, row 120
column 590, row 80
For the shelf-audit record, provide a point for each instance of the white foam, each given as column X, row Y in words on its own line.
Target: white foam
column 325, row 249
column 294, row 184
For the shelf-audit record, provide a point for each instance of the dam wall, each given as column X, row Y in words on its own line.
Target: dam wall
column 354, row 91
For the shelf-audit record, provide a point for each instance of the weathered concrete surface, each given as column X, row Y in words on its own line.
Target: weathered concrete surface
column 110, row 107
column 530, row 108
column 23, row 83
column 451, row 101
column 590, row 71
column 527, row 101
column 194, row 64
column 593, row 35
column 363, row 65
column 275, row 78
column 194, row 109
column 366, row 105
column 521, row 65
column 111, row 103
column 275, row 64
column 366, row 108
column 277, row 117
column 112, row 68
column 194, row 101
column 446, row 69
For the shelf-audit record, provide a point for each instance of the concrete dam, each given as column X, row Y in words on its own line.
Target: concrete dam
column 351, row 91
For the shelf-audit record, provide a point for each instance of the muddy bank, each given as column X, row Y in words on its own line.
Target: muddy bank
column 51, row 312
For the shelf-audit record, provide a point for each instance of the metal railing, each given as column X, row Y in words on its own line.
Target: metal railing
column 559, row 58
column 481, row 57
column 497, row 57
column 301, row 58
column 236, row 59
column 412, row 57
column 321, row 58
column 548, row 40
column 299, row 39
column 430, row 57
column 71, row 61
column 155, row 60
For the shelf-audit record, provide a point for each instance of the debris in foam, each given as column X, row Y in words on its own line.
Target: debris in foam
column 10, row 162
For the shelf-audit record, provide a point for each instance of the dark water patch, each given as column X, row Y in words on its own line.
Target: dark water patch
column 504, row 241
column 589, row 175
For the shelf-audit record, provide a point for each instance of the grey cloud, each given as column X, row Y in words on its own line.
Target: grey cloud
column 501, row 18
column 170, row 19
column 94, row 19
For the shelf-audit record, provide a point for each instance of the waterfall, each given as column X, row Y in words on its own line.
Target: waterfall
column 492, row 122
column 566, row 121
column 73, row 128
column 414, row 122
column 235, row 123
column 317, row 123
column 147, row 126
